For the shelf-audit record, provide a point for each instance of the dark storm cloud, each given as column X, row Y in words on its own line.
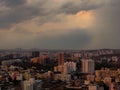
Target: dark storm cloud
column 75, row 39
column 20, row 11
column 105, row 30
column 18, row 14
column 73, row 8
column 12, row 3
column 15, row 16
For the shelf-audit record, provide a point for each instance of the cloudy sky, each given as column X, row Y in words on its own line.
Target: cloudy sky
column 59, row 24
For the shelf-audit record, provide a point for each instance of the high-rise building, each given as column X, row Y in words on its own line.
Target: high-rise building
column 88, row 66
column 27, row 85
column 61, row 58
column 69, row 67
column 35, row 54
column 43, row 59
column 32, row 84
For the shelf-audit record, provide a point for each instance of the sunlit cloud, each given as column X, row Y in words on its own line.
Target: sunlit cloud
column 39, row 22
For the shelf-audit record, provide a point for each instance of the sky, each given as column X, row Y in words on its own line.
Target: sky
column 59, row 24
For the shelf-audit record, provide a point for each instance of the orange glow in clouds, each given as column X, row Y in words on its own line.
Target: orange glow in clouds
column 85, row 18
column 86, row 15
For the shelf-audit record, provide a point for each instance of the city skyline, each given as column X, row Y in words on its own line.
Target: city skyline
column 59, row 24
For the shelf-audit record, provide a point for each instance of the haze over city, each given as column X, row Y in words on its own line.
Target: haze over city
column 59, row 45
column 59, row 24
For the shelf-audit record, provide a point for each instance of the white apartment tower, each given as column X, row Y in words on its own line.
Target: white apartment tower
column 88, row 66
column 69, row 67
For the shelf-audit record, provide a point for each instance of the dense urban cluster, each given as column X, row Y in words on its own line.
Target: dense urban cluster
column 60, row 69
